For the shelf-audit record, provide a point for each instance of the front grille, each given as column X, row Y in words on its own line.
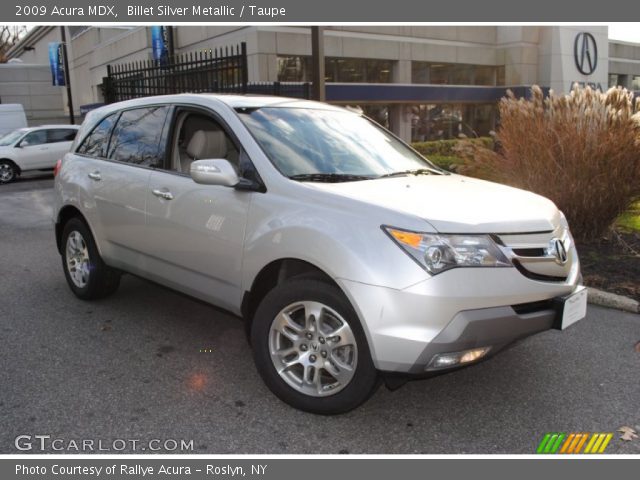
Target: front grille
column 529, row 252
column 536, row 276
column 534, row 254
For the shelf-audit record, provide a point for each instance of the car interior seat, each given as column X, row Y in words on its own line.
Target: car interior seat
column 204, row 144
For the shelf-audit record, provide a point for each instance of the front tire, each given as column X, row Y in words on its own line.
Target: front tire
column 310, row 349
column 87, row 275
column 8, row 171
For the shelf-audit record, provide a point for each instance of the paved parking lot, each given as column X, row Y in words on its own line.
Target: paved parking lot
column 131, row 367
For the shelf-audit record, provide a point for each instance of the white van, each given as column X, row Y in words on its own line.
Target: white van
column 12, row 117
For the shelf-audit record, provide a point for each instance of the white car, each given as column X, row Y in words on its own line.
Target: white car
column 348, row 254
column 35, row 148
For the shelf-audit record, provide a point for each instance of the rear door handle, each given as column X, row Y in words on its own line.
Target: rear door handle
column 95, row 176
column 162, row 194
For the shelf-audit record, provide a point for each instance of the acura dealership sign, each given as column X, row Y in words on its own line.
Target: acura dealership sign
column 585, row 53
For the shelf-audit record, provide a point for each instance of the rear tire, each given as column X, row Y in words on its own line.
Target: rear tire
column 87, row 275
column 8, row 171
column 310, row 348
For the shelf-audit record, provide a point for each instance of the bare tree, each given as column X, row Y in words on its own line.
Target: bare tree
column 9, row 36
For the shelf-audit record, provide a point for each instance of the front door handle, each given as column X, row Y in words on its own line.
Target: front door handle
column 95, row 176
column 162, row 194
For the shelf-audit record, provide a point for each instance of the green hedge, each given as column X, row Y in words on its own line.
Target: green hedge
column 442, row 152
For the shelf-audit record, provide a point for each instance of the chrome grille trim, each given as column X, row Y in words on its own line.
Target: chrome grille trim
column 542, row 256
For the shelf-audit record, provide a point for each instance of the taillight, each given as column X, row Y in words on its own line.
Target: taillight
column 57, row 168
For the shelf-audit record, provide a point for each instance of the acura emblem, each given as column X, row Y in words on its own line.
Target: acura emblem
column 558, row 249
column 585, row 53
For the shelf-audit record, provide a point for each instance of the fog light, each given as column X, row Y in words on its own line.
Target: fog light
column 444, row 360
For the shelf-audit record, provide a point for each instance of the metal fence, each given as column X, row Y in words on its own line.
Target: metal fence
column 219, row 70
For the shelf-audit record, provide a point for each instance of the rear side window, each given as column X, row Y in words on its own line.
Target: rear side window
column 97, row 143
column 137, row 137
column 61, row 135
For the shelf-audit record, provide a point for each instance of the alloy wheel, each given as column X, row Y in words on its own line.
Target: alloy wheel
column 6, row 172
column 77, row 256
column 313, row 348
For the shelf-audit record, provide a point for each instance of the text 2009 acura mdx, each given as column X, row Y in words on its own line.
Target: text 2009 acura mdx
column 346, row 252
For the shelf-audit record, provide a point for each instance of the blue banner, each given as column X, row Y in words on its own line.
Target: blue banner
column 56, row 62
column 160, row 43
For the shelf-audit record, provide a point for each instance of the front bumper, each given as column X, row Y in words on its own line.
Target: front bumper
column 457, row 310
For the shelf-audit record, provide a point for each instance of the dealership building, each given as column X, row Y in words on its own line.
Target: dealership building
column 423, row 82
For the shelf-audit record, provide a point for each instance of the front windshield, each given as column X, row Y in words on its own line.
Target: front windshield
column 11, row 138
column 306, row 141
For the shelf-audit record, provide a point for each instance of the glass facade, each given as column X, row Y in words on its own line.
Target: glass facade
column 635, row 82
column 358, row 70
column 428, row 121
column 456, row 74
column 297, row 68
column 377, row 113
column 447, row 121
column 294, row 68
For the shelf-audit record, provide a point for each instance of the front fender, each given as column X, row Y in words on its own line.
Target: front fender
column 342, row 241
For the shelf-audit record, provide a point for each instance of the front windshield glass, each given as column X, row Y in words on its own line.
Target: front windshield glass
column 11, row 138
column 306, row 141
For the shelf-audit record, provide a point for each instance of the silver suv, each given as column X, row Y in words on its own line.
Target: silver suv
column 349, row 256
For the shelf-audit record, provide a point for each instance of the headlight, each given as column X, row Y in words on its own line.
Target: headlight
column 437, row 253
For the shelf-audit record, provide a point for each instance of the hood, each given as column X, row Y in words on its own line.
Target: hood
column 455, row 204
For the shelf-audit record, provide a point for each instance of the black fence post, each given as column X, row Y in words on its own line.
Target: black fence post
column 107, row 86
column 245, row 66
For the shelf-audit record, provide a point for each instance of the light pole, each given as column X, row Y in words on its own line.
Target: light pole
column 317, row 60
column 67, row 78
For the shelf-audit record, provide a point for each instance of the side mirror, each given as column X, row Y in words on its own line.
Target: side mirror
column 214, row 172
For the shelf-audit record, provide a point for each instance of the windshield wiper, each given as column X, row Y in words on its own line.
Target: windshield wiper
column 329, row 177
column 404, row 173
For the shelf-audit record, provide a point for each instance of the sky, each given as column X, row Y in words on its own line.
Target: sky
column 628, row 32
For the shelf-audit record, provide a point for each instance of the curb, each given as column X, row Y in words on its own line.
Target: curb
column 611, row 300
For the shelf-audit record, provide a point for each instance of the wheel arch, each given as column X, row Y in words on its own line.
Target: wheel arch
column 273, row 274
column 64, row 215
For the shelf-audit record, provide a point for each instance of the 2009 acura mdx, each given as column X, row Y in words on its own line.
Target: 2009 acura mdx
column 347, row 253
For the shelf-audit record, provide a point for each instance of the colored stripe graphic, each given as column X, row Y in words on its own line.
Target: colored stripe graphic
column 592, row 441
column 556, row 446
column 568, row 442
column 543, row 443
column 572, row 443
column 581, row 443
column 605, row 442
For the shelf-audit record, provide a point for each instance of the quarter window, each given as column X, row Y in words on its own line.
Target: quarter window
column 96, row 144
column 137, row 136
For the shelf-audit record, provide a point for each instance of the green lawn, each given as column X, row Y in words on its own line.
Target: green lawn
column 630, row 220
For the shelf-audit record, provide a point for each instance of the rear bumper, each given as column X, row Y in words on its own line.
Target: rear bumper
column 456, row 311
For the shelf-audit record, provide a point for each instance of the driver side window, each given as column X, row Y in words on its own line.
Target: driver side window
column 38, row 137
column 199, row 137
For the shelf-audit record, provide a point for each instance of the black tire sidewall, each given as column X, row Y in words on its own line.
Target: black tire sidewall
column 366, row 378
column 13, row 169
